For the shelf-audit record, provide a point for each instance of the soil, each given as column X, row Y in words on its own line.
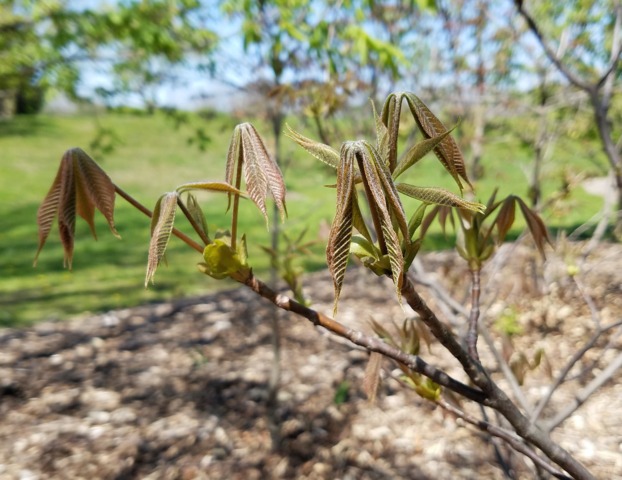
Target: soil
column 180, row 390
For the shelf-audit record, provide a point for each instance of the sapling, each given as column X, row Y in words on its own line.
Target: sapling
column 371, row 223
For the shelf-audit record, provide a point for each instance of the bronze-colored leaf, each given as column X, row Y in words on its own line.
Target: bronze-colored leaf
column 388, row 185
column 371, row 378
column 234, row 159
column 391, row 111
column 438, row 196
column 382, row 136
column 261, row 173
column 80, row 186
column 447, row 151
column 98, row 188
column 358, row 221
column 338, row 246
column 505, row 218
column 321, row 151
column 536, row 226
column 417, row 152
column 162, row 226
column 378, row 197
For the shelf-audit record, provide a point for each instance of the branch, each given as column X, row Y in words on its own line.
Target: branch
column 372, row 344
column 441, row 294
column 507, row 436
column 135, row 203
column 497, row 398
column 550, row 53
column 584, row 394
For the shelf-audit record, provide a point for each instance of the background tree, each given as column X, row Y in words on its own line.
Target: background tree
column 48, row 44
column 593, row 31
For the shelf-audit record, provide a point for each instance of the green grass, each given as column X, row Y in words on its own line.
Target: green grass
column 153, row 158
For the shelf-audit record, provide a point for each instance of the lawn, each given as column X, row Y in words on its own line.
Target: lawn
column 154, row 157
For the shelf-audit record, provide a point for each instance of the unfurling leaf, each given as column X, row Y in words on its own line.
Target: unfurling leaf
column 80, row 186
column 438, row 196
column 418, row 151
column 197, row 215
column 505, row 218
column 536, row 226
column 385, row 206
column 222, row 261
column 321, row 151
column 210, row 186
column 447, row 150
column 161, row 229
column 261, row 173
column 371, row 379
column 338, row 246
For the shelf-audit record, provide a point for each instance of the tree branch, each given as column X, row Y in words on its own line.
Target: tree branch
column 550, row 53
column 507, row 436
column 372, row 344
column 583, row 395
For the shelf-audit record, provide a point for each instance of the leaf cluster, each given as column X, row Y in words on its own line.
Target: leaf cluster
column 480, row 232
column 367, row 174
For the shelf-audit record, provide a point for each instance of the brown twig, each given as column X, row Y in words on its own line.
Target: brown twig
column 139, row 206
column 507, row 436
column 373, row 344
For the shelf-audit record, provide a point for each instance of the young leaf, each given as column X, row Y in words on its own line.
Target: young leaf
column 261, row 173
column 162, row 227
column 417, row 152
column 447, row 151
column 381, row 192
column 505, row 217
column 536, row 226
column 322, row 152
column 438, row 196
column 371, row 378
column 197, row 214
column 211, row 186
column 80, row 186
column 391, row 111
column 338, row 246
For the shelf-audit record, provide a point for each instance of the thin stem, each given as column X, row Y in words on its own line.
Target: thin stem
column 471, row 337
column 581, row 397
column 236, row 199
column 372, row 344
column 135, row 203
column 193, row 222
column 507, row 436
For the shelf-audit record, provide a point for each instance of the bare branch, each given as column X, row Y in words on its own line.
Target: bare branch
column 507, row 436
column 548, row 50
column 583, row 395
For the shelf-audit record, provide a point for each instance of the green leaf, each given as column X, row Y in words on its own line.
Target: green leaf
column 363, row 248
column 197, row 215
column 210, row 186
column 418, row 151
column 321, row 151
column 162, row 227
column 221, row 261
column 439, row 196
